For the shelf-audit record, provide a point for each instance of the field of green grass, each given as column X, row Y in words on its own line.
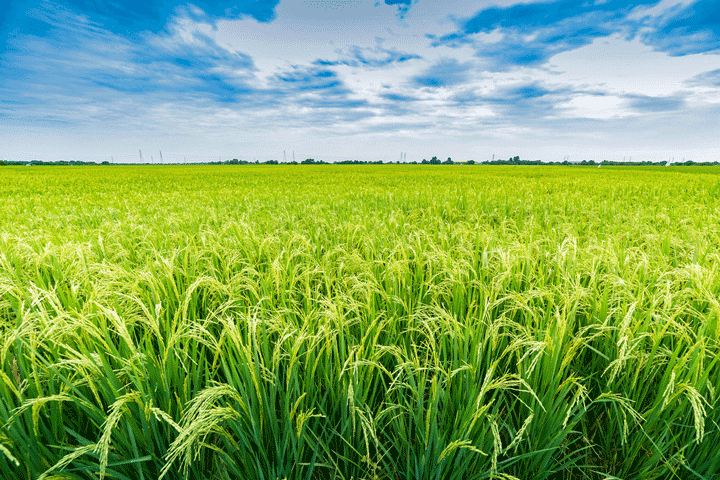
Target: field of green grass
column 374, row 322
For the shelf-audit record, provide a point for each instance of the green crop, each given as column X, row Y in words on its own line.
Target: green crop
column 373, row 322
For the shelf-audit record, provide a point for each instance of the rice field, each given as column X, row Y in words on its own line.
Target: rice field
column 373, row 322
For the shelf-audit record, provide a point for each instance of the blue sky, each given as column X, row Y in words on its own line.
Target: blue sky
column 355, row 79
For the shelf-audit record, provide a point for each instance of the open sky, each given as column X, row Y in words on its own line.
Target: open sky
column 359, row 79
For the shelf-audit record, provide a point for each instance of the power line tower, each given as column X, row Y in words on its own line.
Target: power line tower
column 141, row 159
column 161, row 159
column 284, row 157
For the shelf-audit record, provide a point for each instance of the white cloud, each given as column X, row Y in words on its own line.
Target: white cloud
column 594, row 106
column 615, row 65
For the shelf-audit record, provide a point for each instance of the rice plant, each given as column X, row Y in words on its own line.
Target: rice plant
column 371, row 322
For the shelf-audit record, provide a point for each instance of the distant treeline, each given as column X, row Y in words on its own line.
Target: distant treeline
column 57, row 163
column 433, row 161
column 516, row 161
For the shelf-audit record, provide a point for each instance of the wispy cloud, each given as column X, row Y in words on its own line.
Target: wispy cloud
column 529, row 34
column 313, row 87
column 377, row 57
column 142, row 15
column 706, row 79
column 686, row 29
column 174, row 61
column 643, row 103
column 402, row 5
column 447, row 72
column 303, row 79
column 527, row 100
column 398, row 97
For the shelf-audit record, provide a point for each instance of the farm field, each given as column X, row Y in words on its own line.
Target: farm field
column 359, row 322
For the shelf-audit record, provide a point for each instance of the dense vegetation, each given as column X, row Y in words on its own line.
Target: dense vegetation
column 320, row 322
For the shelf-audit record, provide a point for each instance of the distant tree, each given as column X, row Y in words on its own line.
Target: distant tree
column 308, row 161
column 435, row 161
column 3, row 163
column 448, row 161
column 470, row 162
column 516, row 158
column 425, row 162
